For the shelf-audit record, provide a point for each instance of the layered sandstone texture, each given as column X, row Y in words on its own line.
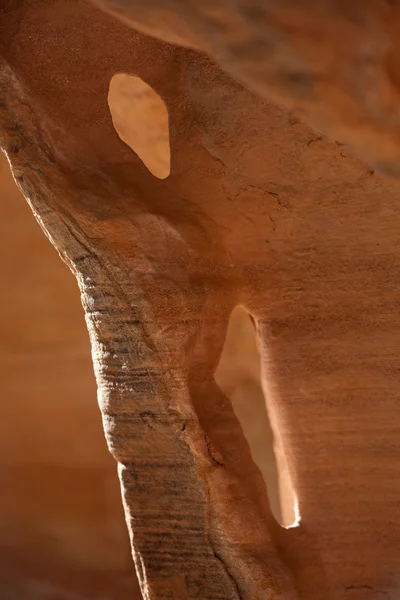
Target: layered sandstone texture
column 62, row 530
column 241, row 207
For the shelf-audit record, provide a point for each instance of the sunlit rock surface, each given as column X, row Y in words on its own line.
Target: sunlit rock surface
column 62, row 530
column 260, row 211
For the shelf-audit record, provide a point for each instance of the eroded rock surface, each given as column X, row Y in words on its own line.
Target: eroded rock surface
column 334, row 62
column 238, row 374
column 62, row 531
column 258, row 211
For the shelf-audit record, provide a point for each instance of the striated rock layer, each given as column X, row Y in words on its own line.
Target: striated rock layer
column 62, row 528
column 258, row 211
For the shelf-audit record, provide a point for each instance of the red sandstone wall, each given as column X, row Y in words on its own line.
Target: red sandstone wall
column 62, row 530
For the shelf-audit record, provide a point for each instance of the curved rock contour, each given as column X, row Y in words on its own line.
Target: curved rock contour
column 334, row 62
column 258, row 211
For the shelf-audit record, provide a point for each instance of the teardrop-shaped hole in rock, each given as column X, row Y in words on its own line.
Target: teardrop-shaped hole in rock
column 239, row 376
column 140, row 118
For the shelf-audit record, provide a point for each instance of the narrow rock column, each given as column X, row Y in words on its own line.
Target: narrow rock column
column 153, row 371
column 157, row 293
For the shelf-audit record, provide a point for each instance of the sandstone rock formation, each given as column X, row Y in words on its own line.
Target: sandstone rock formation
column 259, row 211
column 336, row 62
column 62, row 531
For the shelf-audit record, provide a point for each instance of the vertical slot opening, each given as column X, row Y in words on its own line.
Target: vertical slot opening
column 239, row 376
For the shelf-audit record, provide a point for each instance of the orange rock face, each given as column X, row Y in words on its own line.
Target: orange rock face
column 62, row 528
column 336, row 63
column 258, row 211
